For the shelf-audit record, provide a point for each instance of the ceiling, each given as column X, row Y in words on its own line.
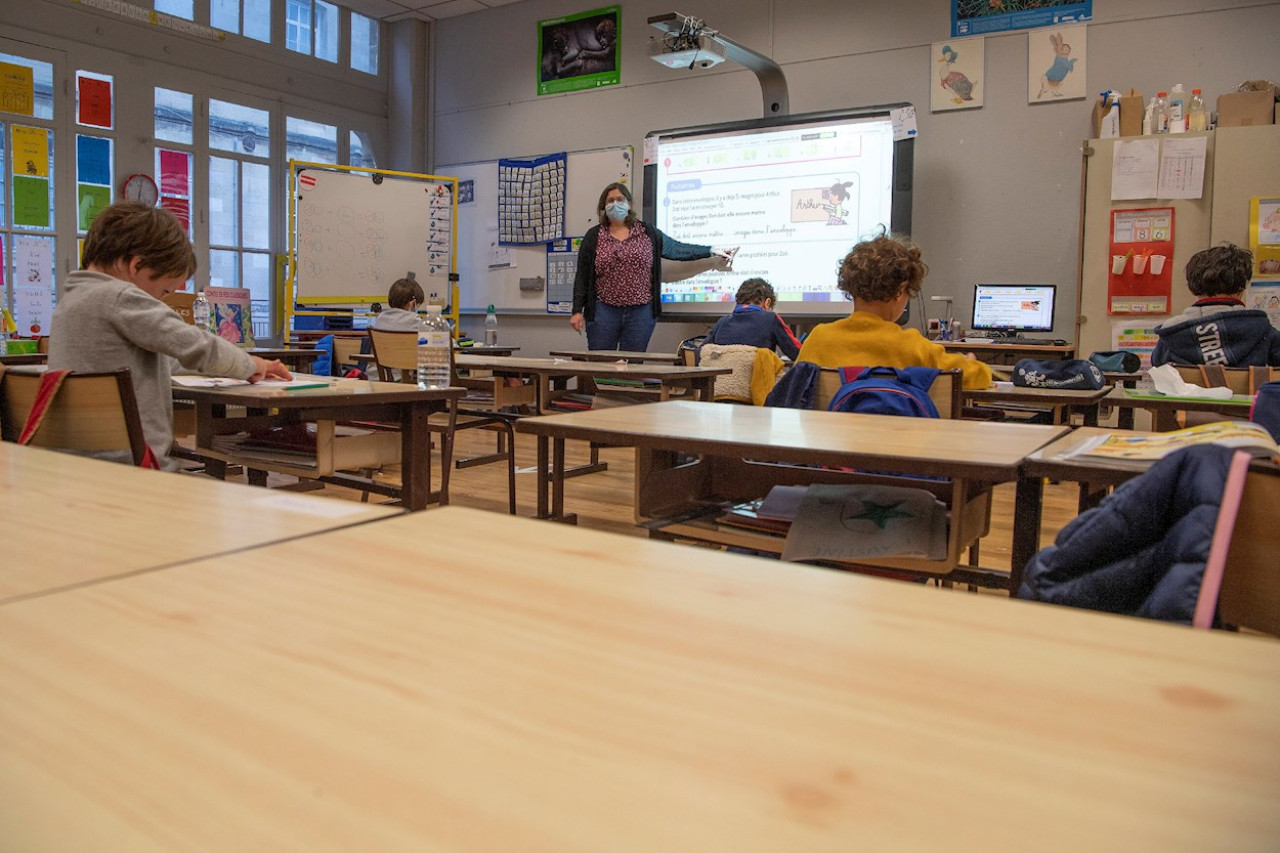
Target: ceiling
column 426, row 10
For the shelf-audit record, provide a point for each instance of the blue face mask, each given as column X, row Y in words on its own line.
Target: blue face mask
column 617, row 210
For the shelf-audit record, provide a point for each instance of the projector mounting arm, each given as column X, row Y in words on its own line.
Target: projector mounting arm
column 773, row 84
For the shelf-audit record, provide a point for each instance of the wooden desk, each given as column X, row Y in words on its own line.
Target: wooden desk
column 69, row 520
column 512, row 688
column 341, row 400
column 1010, row 353
column 1061, row 401
column 978, row 452
column 24, row 358
column 295, row 357
column 1164, row 409
column 609, row 355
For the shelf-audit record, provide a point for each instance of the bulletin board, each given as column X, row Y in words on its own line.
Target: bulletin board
column 490, row 273
column 355, row 231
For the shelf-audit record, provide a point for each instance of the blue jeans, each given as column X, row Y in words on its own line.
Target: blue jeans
column 626, row 328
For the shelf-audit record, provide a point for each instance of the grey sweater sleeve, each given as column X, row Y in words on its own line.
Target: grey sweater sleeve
column 150, row 324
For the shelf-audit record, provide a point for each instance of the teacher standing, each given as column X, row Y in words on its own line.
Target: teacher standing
column 616, row 291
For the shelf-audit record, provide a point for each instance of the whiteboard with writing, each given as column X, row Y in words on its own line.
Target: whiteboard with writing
column 358, row 232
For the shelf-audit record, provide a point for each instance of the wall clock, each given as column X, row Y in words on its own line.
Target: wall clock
column 140, row 188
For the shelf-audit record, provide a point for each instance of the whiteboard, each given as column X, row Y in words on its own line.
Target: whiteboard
column 483, row 280
column 358, row 232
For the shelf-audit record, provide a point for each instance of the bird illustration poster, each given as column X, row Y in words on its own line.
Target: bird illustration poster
column 957, row 70
column 1056, row 64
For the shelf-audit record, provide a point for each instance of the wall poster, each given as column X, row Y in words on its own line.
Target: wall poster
column 974, row 17
column 1140, row 276
column 579, row 51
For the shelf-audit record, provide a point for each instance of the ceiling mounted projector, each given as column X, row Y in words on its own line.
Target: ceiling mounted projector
column 700, row 51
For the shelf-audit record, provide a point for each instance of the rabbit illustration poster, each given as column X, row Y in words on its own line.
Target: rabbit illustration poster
column 1056, row 64
column 958, row 72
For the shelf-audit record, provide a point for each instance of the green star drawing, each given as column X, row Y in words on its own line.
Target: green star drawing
column 879, row 514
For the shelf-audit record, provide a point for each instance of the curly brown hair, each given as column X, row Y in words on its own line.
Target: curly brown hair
column 127, row 230
column 875, row 270
column 1221, row 271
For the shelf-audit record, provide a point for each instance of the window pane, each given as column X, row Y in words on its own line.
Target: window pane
column 361, row 153
column 326, row 31
column 225, row 15
column 42, row 80
column 257, row 19
column 255, row 273
column 310, row 141
column 224, row 201
column 237, row 128
column 297, row 25
column 255, row 195
column 222, row 268
column 178, row 8
column 364, row 44
column 94, row 103
column 173, row 116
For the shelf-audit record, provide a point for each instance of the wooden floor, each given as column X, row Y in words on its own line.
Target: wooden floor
column 604, row 500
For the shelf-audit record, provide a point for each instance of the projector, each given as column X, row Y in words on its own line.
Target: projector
column 697, row 52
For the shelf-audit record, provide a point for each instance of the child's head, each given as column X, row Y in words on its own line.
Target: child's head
column 756, row 291
column 1220, row 271
column 405, row 291
column 142, row 244
column 881, row 269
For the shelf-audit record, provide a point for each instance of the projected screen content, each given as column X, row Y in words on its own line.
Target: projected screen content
column 1013, row 307
column 795, row 198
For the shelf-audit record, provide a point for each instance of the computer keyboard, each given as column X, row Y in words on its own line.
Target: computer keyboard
column 1018, row 341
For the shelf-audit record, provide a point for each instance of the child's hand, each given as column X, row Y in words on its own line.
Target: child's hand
column 263, row 369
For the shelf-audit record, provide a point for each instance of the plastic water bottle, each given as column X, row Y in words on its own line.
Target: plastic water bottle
column 490, row 327
column 1160, row 113
column 1197, row 118
column 1148, row 117
column 433, row 350
column 1177, row 109
column 200, row 311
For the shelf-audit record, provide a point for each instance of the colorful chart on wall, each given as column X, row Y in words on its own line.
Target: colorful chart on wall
column 531, row 197
column 973, row 17
column 1140, row 277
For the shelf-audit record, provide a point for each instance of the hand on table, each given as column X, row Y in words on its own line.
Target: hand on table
column 263, row 369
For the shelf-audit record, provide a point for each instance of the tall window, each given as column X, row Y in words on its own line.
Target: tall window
column 312, row 26
column 310, row 141
column 364, row 44
column 256, row 21
column 240, row 200
column 297, row 25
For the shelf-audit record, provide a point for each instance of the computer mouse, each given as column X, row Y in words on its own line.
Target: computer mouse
column 1059, row 342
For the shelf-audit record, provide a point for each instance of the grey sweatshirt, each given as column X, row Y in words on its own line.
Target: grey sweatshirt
column 103, row 323
column 396, row 320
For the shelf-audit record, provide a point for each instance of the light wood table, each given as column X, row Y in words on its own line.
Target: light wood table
column 519, row 686
column 340, row 400
column 610, row 355
column 1061, row 401
column 70, row 520
column 1010, row 353
column 296, row 358
column 1164, row 409
column 669, row 485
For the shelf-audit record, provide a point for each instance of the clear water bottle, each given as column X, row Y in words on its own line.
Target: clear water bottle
column 1197, row 117
column 433, row 350
column 490, row 328
column 200, row 311
column 1160, row 113
column 1148, row 124
column 1177, row 109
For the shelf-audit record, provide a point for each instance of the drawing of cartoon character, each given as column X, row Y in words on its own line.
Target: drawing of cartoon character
column 837, row 195
column 959, row 85
column 1058, row 71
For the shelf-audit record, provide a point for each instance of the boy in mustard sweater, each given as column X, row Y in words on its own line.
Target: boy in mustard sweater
column 881, row 276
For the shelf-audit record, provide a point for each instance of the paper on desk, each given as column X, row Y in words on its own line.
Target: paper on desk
column 863, row 522
column 1170, row 383
column 188, row 381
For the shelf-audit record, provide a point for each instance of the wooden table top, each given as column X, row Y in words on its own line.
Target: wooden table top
column 1145, row 399
column 362, row 391
column 24, row 358
column 1045, row 348
column 617, row 355
column 928, row 446
column 571, row 367
column 68, row 519
column 512, row 688
column 1009, row 393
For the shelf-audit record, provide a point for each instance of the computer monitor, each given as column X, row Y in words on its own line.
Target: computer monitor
column 1013, row 308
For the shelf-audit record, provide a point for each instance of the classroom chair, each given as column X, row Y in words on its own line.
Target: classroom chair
column 755, row 370
column 1241, row 380
column 90, row 412
column 1241, row 583
column 396, row 358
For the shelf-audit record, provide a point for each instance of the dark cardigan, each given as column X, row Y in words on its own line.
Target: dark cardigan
column 584, row 283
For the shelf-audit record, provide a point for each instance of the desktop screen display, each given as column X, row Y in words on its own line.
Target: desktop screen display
column 794, row 194
column 1013, row 307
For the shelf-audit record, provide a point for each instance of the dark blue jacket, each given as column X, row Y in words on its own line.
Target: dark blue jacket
column 1239, row 337
column 1142, row 551
column 584, row 282
column 753, row 326
column 796, row 388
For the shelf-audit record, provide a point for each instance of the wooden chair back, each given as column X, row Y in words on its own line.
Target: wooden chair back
column 395, row 354
column 1242, row 578
column 92, row 412
column 345, row 349
column 945, row 391
column 42, row 344
column 1241, row 380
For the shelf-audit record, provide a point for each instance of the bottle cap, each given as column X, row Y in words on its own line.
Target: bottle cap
column 490, row 311
column 1195, row 91
column 1161, row 94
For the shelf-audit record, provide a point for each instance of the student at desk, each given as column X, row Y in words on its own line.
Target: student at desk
column 754, row 323
column 110, row 316
column 404, row 297
column 880, row 276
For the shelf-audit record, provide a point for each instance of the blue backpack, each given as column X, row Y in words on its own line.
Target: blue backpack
column 886, row 391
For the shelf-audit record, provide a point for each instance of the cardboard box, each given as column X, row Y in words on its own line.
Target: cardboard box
column 1132, row 108
column 1246, row 109
column 182, row 302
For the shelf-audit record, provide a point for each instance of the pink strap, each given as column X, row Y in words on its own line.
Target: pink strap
column 50, row 382
column 1232, row 492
